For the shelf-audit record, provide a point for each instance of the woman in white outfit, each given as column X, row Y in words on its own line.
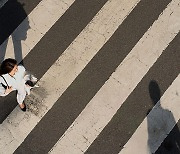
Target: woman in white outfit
column 13, row 78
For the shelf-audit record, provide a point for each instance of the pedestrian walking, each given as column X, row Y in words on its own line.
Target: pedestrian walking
column 15, row 77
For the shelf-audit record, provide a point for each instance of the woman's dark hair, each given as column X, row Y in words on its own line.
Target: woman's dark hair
column 7, row 66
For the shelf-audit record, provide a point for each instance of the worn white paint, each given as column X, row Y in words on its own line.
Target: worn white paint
column 115, row 91
column 33, row 28
column 73, row 60
column 157, row 125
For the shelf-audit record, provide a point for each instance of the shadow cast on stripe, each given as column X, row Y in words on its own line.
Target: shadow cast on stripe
column 158, row 121
column 16, row 14
column 11, row 15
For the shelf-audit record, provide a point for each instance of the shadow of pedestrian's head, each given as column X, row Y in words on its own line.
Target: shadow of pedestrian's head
column 154, row 91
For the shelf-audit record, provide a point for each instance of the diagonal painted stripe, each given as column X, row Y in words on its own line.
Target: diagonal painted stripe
column 130, row 115
column 94, row 26
column 124, row 123
column 96, row 33
column 32, row 29
column 52, row 11
column 12, row 14
column 93, row 76
column 104, row 105
column 158, row 123
column 61, row 35
column 56, row 40
column 133, row 111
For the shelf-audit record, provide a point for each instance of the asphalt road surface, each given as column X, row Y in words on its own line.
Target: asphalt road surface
column 108, row 76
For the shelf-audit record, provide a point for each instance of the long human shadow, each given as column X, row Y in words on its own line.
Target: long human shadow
column 159, row 121
column 11, row 15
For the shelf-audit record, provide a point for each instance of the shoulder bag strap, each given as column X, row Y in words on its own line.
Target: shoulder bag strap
column 5, row 80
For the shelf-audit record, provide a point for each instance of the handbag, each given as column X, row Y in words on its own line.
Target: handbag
column 5, row 86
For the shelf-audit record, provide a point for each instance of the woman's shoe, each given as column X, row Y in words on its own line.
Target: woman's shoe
column 24, row 108
column 29, row 83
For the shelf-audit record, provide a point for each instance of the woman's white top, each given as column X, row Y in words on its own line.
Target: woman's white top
column 17, row 81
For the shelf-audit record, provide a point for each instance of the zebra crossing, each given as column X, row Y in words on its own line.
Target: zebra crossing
column 108, row 103
column 90, row 97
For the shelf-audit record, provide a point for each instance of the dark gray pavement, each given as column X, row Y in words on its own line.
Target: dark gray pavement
column 124, row 123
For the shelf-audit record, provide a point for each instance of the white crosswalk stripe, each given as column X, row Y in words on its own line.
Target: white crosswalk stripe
column 165, row 113
column 36, row 28
column 122, row 82
column 102, row 107
column 64, row 64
